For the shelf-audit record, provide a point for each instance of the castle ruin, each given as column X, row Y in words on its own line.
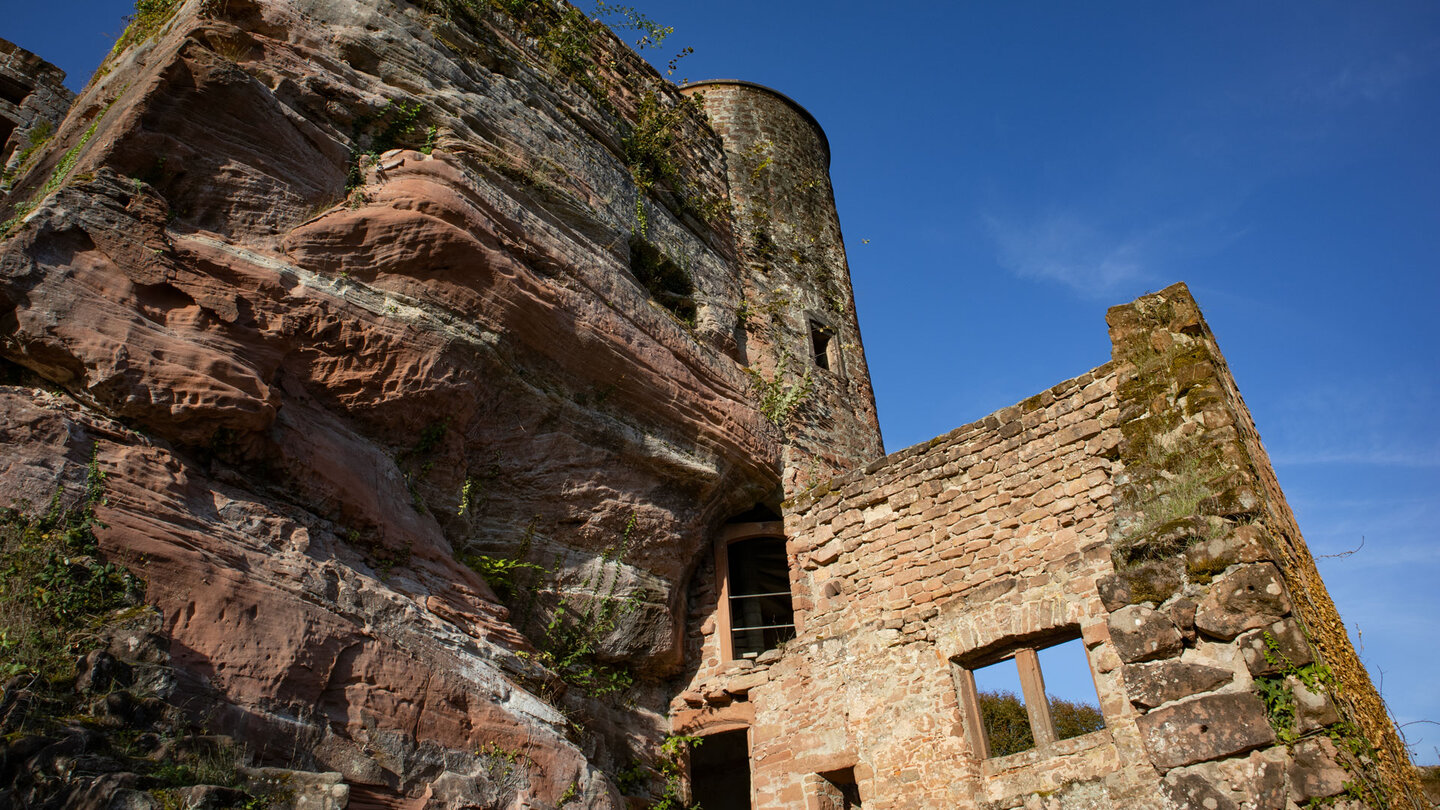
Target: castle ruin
column 489, row 424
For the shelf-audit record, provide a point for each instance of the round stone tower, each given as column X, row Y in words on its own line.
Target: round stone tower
column 797, row 331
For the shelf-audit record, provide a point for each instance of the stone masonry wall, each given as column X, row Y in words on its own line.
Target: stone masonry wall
column 1132, row 507
column 1214, row 575
column 994, row 531
column 33, row 100
column 794, row 274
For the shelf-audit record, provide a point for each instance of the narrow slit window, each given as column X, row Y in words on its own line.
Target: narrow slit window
column 761, row 615
column 822, row 344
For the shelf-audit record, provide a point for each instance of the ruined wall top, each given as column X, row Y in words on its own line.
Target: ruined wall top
column 33, row 99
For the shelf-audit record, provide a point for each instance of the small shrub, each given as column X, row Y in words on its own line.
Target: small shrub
column 148, row 17
column 779, row 400
column 52, row 582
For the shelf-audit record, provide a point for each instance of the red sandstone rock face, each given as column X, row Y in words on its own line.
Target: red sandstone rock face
column 307, row 404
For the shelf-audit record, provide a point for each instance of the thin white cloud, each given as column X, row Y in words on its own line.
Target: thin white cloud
column 1374, row 456
column 1377, row 81
column 1065, row 248
column 1377, row 420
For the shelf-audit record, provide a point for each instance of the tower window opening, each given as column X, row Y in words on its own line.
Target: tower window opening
column 822, row 343
column 761, row 614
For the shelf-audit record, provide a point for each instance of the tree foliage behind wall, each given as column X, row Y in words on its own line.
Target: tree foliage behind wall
column 1007, row 724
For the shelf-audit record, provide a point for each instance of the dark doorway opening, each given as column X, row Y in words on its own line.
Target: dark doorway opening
column 720, row 771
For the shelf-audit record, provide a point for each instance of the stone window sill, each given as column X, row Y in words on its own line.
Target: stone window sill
column 1044, row 754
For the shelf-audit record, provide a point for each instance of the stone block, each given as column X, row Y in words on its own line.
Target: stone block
column 306, row 790
column 1290, row 643
column 1114, row 591
column 743, row 684
column 1314, row 710
column 1191, row 790
column 1206, row 728
column 718, row 697
column 1314, row 771
column 1239, row 497
column 1140, row 633
column 1152, row 684
column 1154, row 580
column 1213, row 555
column 1243, row 599
column 1168, row 539
column 1182, row 612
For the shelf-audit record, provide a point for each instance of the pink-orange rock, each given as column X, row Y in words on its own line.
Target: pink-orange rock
column 311, row 408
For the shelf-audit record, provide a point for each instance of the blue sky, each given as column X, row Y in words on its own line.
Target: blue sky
column 1018, row 167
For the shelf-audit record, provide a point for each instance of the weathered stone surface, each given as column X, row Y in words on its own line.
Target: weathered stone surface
column 1314, row 770
column 1314, row 709
column 1154, row 580
column 207, row 797
column 1182, row 612
column 1243, row 599
column 1152, row 684
column 1114, row 591
column 1241, row 544
column 303, row 790
column 1168, row 539
column 744, row 683
column 100, row 671
column 1191, row 790
column 1141, row 633
column 1258, row 781
column 1205, row 728
column 315, row 410
column 1291, row 648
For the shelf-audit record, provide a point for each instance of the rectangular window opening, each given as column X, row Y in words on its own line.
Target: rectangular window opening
column 1070, row 689
column 839, row 790
column 761, row 614
column 1032, row 696
column 822, row 340
column 13, row 91
column 1003, row 715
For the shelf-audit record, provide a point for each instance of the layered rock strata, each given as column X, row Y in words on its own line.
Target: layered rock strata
column 369, row 311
